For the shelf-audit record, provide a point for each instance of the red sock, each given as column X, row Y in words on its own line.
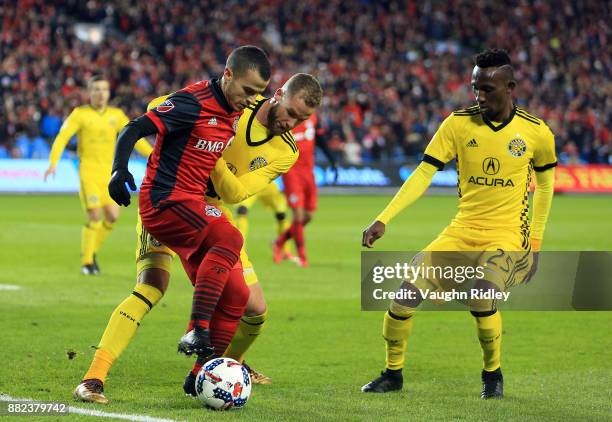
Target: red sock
column 297, row 233
column 226, row 317
column 214, row 272
column 282, row 239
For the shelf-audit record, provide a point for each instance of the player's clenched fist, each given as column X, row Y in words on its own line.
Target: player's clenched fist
column 372, row 233
column 117, row 189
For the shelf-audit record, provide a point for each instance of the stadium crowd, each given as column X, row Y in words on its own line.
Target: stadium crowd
column 391, row 70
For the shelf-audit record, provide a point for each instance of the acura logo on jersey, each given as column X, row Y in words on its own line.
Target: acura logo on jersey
column 490, row 181
column 490, row 166
column 165, row 107
column 257, row 163
column 210, row 146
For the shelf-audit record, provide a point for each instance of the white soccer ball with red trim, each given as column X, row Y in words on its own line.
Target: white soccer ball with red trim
column 222, row 384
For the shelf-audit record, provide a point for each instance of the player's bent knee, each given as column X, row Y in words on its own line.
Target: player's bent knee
column 232, row 238
column 256, row 307
column 155, row 277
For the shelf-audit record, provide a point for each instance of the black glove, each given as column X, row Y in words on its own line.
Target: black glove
column 117, row 189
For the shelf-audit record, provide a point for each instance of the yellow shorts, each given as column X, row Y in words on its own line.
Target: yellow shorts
column 153, row 254
column 498, row 253
column 93, row 191
column 271, row 197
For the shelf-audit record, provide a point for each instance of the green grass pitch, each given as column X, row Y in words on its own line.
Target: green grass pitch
column 318, row 347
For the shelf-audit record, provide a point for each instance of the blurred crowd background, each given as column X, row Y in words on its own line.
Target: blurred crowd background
column 391, row 70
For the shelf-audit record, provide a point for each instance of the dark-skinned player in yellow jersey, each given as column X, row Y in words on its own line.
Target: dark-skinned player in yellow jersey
column 497, row 146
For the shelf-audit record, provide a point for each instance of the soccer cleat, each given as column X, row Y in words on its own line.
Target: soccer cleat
column 196, row 341
column 385, row 383
column 91, row 391
column 492, row 384
column 257, row 377
column 95, row 265
column 277, row 253
column 302, row 262
column 88, row 269
column 189, row 385
column 287, row 256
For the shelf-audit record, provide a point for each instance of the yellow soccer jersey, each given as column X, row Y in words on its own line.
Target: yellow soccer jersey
column 254, row 153
column 96, row 136
column 494, row 164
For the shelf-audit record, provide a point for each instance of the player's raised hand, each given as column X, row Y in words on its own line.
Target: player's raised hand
column 372, row 233
column 117, row 189
column 50, row 171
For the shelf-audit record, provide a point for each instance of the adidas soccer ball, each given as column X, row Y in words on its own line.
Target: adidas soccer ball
column 223, row 383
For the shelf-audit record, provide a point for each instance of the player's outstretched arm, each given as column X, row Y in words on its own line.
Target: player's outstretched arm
column 411, row 190
column 131, row 133
column 234, row 189
column 70, row 126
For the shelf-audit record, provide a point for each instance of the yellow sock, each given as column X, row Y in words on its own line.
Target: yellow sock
column 121, row 327
column 103, row 231
column 489, row 329
column 242, row 224
column 88, row 241
column 396, row 333
column 249, row 329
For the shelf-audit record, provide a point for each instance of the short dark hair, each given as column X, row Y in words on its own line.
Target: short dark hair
column 492, row 57
column 307, row 83
column 249, row 57
column 96, row 78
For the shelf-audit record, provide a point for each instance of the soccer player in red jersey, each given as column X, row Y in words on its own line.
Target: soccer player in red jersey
column 194, row 126
column 300, row 188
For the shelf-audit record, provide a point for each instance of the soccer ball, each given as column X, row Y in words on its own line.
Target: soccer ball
column 223, row 383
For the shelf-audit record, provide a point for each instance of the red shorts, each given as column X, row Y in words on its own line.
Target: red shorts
column 301, row 190
column 183, row 226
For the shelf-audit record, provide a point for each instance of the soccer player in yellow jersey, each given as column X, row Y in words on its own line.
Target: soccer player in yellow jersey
column 262, row 149
column 96, row 126
column 497, row 146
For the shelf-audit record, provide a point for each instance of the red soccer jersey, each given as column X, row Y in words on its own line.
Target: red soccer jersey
column 194, row 127
column 304, row 136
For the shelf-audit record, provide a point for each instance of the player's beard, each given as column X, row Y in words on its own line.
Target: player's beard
column 272, row 124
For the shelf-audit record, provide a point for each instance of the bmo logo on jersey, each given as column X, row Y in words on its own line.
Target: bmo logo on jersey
column 210, row 146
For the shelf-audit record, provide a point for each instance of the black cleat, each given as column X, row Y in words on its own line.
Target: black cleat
column 492, row 384
column 95, row 265
column 196, row 341
column 88, row 269
column 189, row 385
column 385, row 383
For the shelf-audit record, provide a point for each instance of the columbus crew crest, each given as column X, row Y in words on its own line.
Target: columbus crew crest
column 517, row 147
column 235, row 125
column 257, row 163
